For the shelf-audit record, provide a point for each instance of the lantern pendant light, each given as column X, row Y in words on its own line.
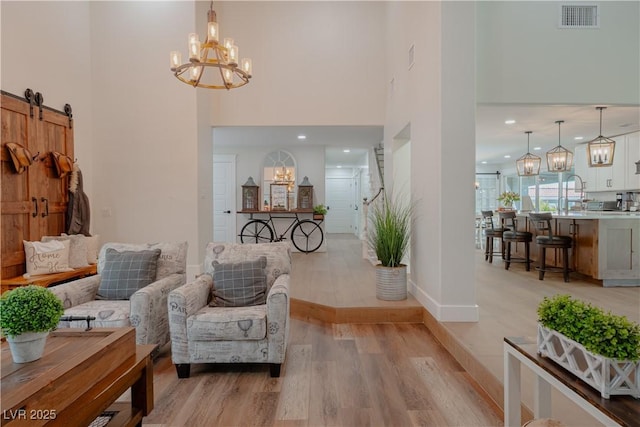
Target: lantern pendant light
column 601, row 149
column 529, row 164
column 559, row 159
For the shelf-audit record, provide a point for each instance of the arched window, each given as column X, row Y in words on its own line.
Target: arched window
column 279, row 167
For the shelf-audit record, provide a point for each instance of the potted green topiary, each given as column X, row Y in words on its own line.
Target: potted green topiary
column 389, row 236
column 319, row 211
column 27, row 314
column 600, row 348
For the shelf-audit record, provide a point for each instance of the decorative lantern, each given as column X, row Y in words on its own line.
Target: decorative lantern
column 305, row 195
column 250, row 196
column 559, row 159
column 528, row 165
column 601, row 149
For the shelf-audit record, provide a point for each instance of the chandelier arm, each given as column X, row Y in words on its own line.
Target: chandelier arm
column 220, row 69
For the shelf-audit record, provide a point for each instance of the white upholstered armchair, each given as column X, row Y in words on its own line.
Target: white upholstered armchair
column 227, row 315
column 145, row 308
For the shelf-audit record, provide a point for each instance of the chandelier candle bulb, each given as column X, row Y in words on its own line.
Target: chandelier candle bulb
column 194, row 48
column 176, row 59
column 228, row 42
column 233, row 55
column 212, row 31
column 246, row 66
column 228, row 76
column 195, row 73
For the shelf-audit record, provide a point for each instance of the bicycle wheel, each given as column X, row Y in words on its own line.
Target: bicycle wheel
column 256, row 231
column 307, row 236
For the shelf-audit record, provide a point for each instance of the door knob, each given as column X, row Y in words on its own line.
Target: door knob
column 226, row 212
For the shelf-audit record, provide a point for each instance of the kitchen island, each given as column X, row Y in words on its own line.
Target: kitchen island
column 606, row 245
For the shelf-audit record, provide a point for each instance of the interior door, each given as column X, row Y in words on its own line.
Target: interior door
column 339, row 198
column 224, row 197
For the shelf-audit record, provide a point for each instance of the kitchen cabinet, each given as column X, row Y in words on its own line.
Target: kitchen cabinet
column 619, row 253
column 34, row 202
column 632, row 156
column 618, row 177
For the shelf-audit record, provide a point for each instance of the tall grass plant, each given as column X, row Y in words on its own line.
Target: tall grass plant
column 390, row 230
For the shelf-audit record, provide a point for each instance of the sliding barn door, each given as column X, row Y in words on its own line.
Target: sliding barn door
column 33, row 203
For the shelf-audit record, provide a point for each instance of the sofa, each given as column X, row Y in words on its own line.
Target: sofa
column 210, row 324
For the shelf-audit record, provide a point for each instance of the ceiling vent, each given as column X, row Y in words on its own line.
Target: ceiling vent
column 579, row 16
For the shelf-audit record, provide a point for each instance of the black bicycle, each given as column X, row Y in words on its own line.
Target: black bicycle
column 306, row 235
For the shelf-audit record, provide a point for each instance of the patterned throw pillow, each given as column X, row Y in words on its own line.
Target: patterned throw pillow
column 46, row 257
column 126, row 272
column 77, row 250
column 239, row 284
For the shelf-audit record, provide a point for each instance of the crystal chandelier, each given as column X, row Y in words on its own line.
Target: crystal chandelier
column 559, row 159
column 212, row 65
column 601, row 149
column 529, row 164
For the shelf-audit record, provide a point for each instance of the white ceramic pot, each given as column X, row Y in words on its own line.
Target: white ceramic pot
column 28, row 346
column 391, row 283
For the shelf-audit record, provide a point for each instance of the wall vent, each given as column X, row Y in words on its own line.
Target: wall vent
column 579, row 16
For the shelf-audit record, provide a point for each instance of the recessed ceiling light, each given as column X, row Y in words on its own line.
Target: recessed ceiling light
column 484, row 162
column 579, row 138
column 537, row 148
column 509, row 122
column 346, row 151
column 507, row 156
column 339, row 167
column 301, row 137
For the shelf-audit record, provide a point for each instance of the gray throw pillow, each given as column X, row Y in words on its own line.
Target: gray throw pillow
column 126, row 272
column 239, row 284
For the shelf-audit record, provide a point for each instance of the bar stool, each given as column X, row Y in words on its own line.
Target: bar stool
column 542, row 223
column 491, row 232
column 512, row 235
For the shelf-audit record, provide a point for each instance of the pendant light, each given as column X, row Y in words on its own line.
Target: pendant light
column 559, row 159
column 529, row 164
column 601, row 149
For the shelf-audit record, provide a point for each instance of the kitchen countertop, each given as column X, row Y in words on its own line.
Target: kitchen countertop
column 593, row 215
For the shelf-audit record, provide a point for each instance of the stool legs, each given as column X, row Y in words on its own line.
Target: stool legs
column 565, row 263
column 543, row 255
column 507, row 254
column 487, row 248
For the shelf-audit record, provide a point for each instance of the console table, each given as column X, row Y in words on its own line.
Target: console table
column 616, row 411
column 79, row 377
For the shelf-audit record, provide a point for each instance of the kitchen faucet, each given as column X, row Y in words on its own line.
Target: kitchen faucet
column 566, row 191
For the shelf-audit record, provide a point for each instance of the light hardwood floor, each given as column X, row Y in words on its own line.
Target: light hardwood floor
column 378, row 374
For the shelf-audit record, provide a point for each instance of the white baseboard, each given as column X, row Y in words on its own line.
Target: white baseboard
column 445, row 313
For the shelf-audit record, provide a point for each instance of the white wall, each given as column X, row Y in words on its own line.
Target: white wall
column 314, row 63
column 46, row 47
column 436, row 97
column 145, row 130
column 135, row 125
column 524, row 57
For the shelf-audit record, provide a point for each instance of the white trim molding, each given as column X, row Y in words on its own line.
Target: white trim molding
column 445, row 313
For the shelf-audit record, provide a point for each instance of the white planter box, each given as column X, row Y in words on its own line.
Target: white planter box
column 608, row 376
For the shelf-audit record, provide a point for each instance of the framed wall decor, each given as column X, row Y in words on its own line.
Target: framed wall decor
column 279, row 197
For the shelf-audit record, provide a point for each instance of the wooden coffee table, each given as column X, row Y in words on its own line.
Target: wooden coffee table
column 79, row 376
